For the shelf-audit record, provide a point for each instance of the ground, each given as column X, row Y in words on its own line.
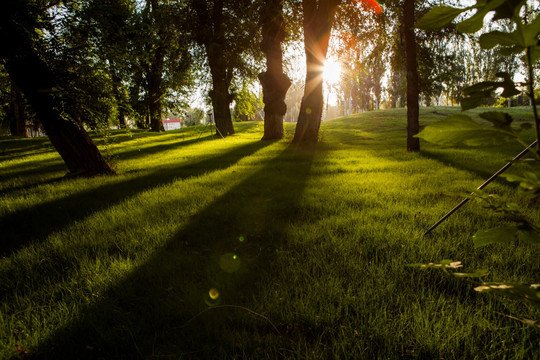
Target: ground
column 240, row 248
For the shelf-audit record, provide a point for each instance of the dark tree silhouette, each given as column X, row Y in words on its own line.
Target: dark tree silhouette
column 210, row 33
column 39, row 85
column 413, row 126
column 274, row 82
column 318, row 20
column 17, row 115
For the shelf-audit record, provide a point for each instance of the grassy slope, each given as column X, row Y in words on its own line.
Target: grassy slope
column 306, row 248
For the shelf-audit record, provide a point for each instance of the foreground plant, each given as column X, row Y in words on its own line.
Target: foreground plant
column 462, row 129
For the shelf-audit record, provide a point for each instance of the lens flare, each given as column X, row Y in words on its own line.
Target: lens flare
column 213, row 293
column 229, row 262
column 372, row 5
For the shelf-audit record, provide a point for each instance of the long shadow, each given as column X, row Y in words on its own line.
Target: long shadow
column 481, row 170
column 220, row 257
column 14, row 147
column 151, row 150
column 36, row 223
column 47, row 168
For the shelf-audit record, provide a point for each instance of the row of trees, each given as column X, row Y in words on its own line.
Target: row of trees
column 79, row 63
column 82, row 63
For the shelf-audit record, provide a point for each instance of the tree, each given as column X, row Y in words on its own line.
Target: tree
column 109, row 23
column 413, row 126
column 18, row 27
column 164, row 60
column 274, row 82
column 17, row 115
column 228, row 32
column 247, row 105
column 360, row 44
column 318, row 20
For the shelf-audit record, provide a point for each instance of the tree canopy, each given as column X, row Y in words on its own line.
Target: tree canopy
column 125, row 63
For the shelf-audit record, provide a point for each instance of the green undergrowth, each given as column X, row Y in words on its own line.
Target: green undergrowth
column 204, row 248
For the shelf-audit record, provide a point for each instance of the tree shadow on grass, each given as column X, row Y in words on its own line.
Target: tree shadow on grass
column 174, row 305
column 21, row 147
column 38, row 222
column 152, row 150
column 482, row 170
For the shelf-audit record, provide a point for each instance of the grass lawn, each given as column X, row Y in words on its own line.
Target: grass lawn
column 207, row 248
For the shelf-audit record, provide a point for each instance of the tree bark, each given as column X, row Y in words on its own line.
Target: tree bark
column 38, row 84
column 273, row 81
column 211, row 35
column 17, row 115
column 221, row 99
column 318, row 20
column 413, row 126
column 117, row 93
column 154, row 80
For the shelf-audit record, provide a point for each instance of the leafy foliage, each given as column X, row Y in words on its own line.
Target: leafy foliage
column 461, row 129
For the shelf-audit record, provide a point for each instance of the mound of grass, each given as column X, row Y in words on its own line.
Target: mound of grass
column 239, row 248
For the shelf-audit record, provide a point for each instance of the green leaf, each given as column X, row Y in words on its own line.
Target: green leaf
column 525, row 126
column 535, row 54
column 499, row 119
column 442, row 265
column 530, row 236
column 472, row 101
column 461, row 129
column 496, row 235
column 508, row 51
column 508, row 9
column 475, row 94
column 530, row 32
column 494, row 38
column 475, row 22
column 508, row 85
column 438, row 17
column 529, row 293
column 475, row 274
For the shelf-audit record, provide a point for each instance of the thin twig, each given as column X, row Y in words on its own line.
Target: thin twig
column 533, row 100
column 524, row 321
column 234, row 307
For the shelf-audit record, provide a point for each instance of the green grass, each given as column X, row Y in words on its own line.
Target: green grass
column 306, row 246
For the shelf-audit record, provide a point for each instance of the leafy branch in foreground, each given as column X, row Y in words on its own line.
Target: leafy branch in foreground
column 462, row 129
column 523, row 292
column 523, row 40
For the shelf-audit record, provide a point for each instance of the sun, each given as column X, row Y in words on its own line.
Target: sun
column 332, row 71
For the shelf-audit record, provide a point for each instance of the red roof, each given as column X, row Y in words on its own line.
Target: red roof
column 169, row 121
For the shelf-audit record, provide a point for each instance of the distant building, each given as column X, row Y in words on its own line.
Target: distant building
column 172, row 124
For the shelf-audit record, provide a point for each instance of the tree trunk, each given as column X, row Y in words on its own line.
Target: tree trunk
column 17, row 123
column 274, row 82
column 413, row 126
column 38, row 84
column 117, row 93
column 212, row 35
column 318, row 19
column 154, row 81
column 221, row 99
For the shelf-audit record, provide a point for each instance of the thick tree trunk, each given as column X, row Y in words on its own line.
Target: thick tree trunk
column 38, row 84
column 413, row 126
column 318, row 19
column 17, row 123
column 211, row 34
column 274, row 82
column 221, row 99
